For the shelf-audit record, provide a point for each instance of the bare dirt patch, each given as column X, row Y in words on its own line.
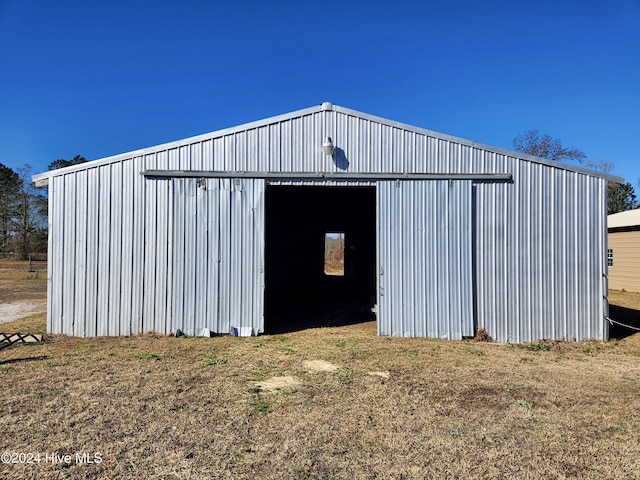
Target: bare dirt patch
column 16, row 310
column 21, row 293
column 314, row 366
column 275, row 384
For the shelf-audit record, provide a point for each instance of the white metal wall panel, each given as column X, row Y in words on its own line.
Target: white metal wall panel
column 540, row 255
column 106, row 277
column 80, row 254
column 158, row 223
column 218, row 242
column 215, row 284
column 424, row 259
column 150, row 219
column 114, row 229
column 539, row 242
column 126, row 258
column 68, row 267
column 93, row 246
column 56, row 257
column 104, row 249
column 138, row 206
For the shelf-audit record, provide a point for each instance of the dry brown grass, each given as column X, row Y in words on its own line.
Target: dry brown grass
column 228, row 407
column 162, row 407
column 625, row 299
column 36, row 324
column 18, row 284
column 334, row 267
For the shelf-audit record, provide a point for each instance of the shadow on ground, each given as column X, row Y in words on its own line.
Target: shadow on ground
column 627, row 316
column 318, row 315
column 21, row 360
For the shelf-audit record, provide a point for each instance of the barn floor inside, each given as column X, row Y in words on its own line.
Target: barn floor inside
column 302, row 224
column 320, row 315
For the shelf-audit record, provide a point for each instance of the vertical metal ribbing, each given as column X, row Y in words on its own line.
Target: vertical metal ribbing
column 539, row 241
column 424, row 258
column 218, row 254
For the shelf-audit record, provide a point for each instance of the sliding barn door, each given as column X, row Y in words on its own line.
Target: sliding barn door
column 424, row 259
column 218, row 255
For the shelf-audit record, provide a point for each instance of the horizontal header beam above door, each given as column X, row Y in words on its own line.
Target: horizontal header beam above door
column 481, row 177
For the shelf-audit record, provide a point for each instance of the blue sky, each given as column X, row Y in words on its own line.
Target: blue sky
column 102, row 78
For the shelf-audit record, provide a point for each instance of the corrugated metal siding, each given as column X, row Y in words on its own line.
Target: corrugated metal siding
column 424, row 259
column 539, row 245
column 218, row 244
column 540, row 254
column 110, row 251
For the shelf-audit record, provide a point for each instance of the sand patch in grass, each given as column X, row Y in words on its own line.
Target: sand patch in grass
column 315, row 366
column 275, row 384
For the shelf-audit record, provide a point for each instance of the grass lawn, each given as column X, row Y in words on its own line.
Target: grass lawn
column 18, row 284
column 320, row 403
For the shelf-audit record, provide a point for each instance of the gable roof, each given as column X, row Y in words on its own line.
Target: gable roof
column 630, row 218
column 43, row 178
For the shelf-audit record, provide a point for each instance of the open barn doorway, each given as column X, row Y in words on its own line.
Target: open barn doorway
column 320, row 257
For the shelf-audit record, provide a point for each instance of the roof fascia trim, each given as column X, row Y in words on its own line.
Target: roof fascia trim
column 486, row 177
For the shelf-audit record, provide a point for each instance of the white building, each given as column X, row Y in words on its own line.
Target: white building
column 220, row 230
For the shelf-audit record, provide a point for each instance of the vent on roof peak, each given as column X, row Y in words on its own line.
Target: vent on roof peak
column 326, row 106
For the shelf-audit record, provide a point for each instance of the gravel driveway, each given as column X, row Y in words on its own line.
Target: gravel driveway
column 17, row 310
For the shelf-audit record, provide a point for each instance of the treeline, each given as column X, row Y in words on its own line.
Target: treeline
column 23, row 214
column 24, row 210
column 620, row 198
column 334, row 247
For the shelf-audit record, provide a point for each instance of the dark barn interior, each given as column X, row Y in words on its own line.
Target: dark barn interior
column 299, row 294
